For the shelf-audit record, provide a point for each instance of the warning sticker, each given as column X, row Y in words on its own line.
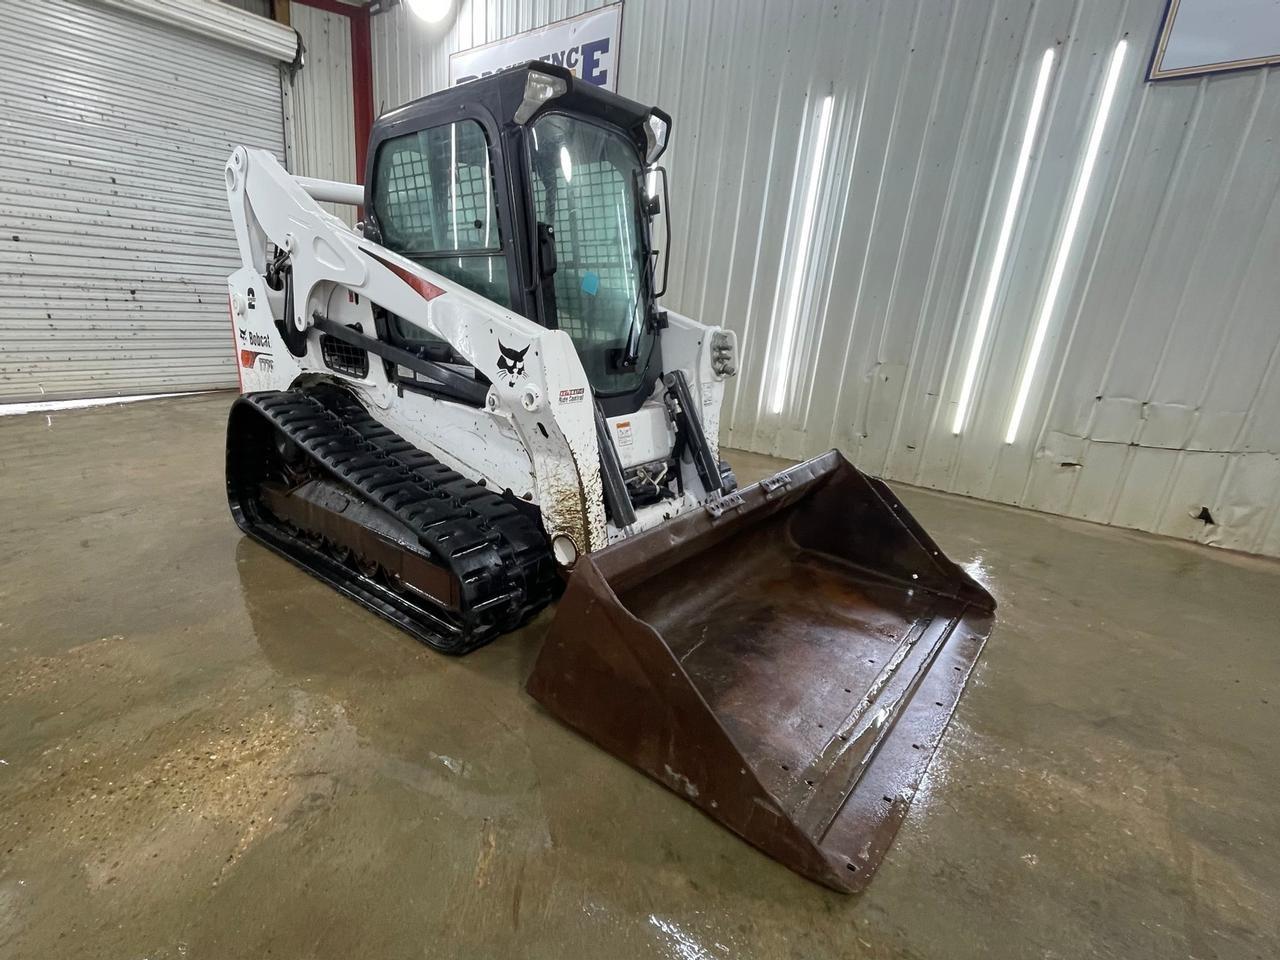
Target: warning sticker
column 625, row 437
column 572, row 396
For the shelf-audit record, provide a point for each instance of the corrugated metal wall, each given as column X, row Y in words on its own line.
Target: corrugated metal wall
column 116, row 241
column 1155, row 402
column 319, row 105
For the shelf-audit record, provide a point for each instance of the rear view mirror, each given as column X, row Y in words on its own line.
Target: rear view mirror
column 656, row 202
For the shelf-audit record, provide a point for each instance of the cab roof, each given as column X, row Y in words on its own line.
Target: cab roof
column 500, row 95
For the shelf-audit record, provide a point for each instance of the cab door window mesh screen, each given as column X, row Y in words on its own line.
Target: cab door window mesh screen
column 589, row 231
column 585, row 181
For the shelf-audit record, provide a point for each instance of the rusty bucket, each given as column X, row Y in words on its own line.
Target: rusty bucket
column 787, row 660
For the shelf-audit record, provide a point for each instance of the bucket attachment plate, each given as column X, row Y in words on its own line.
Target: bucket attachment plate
column 787, row 660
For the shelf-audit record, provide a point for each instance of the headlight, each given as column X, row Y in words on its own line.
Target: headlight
column 538, row 89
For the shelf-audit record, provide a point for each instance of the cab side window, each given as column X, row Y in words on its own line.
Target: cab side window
column 434, row 200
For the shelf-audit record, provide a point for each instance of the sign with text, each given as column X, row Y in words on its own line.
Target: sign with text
column 586, row 45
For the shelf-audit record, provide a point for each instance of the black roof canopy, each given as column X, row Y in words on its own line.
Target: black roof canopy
column 500, row 95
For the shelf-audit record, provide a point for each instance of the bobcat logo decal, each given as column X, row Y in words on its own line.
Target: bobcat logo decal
column 511, row 362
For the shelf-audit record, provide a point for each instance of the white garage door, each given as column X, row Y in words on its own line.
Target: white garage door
column 114, row 238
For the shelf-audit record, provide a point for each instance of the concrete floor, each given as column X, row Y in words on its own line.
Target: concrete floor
column 205, row 753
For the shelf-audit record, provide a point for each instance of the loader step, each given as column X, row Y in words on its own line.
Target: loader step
column 313, row 476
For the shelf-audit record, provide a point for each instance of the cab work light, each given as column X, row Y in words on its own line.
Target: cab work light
column 539, row 87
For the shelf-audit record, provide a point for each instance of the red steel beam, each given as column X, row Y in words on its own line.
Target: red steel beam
column 361, row 72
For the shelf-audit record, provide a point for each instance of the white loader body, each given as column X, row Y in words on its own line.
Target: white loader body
column 535, row 434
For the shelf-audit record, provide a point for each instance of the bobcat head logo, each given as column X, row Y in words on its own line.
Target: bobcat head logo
column 511, row 362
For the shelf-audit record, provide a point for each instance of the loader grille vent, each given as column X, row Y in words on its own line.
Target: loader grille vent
column 342, row 357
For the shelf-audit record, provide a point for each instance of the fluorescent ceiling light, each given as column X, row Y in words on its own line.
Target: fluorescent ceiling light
column 1068, row 236
column 1002, row 242
column 432, row 11
column 799, row 269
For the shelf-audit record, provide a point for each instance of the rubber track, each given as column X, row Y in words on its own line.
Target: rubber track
column 496, row 552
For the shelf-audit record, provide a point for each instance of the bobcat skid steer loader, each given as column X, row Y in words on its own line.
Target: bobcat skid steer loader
column 474, row 401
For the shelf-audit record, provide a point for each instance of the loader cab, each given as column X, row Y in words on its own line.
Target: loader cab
column 529, row 187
